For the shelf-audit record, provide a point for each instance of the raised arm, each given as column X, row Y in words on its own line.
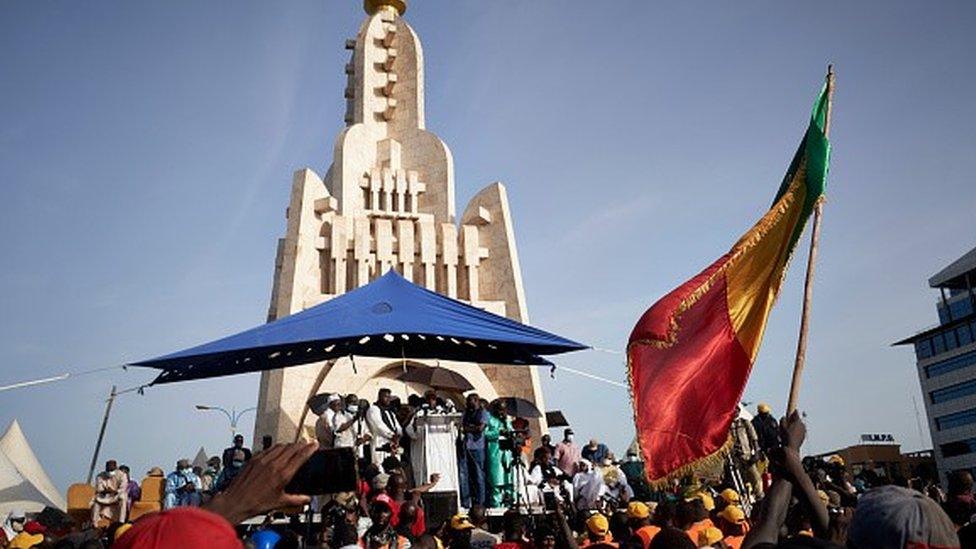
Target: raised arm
column 772, row 515
column 794, row 433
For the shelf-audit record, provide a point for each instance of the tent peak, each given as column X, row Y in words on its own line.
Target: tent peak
column 14, row 427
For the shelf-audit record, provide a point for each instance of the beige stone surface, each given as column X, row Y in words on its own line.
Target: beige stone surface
column 387, row 202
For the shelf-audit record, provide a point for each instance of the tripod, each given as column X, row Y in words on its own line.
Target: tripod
column 744, row 489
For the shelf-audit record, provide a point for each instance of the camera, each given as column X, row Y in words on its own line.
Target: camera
column 549, row 499
column 513, row 440
column 327, row 471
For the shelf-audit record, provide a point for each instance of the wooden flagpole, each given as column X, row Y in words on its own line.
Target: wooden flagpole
column 801, row 343
column 101, row 435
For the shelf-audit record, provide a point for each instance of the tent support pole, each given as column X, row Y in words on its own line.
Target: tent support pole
column 315, row 389
column 101, row 435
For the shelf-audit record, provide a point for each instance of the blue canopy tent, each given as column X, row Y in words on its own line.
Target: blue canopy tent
column 389, row 317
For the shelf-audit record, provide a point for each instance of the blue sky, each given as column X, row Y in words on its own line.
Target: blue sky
column 146, row 153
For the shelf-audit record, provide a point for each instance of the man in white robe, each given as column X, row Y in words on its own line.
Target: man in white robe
column 324, row 431
column 109, row 502
column 384, row 427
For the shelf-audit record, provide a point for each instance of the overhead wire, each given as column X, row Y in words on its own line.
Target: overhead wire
column 60, row 377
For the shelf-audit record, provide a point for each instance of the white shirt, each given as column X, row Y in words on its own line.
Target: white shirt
column 347, row 438
column 588, row 487
column 323, row 428
column 383, row 425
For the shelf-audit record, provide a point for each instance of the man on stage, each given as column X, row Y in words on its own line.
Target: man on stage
column 567, row 454
column 384, row 427
column 471, row 462
column 349, row 426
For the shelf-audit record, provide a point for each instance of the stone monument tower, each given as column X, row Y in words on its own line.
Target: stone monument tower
column 387, row 202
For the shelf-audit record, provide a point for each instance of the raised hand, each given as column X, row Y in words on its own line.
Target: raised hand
column 260, row 487
column 793, row 431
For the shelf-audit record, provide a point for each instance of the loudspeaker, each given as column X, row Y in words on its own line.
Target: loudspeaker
column 439, row 507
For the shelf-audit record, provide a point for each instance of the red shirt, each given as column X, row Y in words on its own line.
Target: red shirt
column 419, row 527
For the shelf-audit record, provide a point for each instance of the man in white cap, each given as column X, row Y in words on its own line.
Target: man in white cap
column 588, row 485
column 324, row 431
column 13, row 525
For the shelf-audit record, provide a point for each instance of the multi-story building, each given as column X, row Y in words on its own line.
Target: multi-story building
column 946, row 360
column 886, row 459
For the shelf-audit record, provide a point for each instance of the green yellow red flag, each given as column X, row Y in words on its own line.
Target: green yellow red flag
column 690, row 354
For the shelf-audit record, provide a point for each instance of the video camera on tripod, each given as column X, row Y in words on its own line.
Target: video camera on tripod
column 513, row 440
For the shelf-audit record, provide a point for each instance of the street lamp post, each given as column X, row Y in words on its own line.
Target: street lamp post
column 233, row 415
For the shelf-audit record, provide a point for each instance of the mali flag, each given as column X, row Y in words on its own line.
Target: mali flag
column 690, row 354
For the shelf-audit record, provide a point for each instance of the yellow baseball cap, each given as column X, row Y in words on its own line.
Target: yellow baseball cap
column 709, row 536
column 461, row 522
column 692, row 492
column 729, row 496
column 638, row 510
column 598, row 524
column 836, row 459
column 707, row 501
column 733, row 514
column 24, row 540
column 823, row 497
column 764, row 408
column 121, row 530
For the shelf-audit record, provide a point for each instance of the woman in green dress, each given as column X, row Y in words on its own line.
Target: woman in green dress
column 498, row 462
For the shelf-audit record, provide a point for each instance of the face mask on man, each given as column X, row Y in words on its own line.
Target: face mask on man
column 352, row 409
column 187, row 471
column 236, row 463
column 569, row 438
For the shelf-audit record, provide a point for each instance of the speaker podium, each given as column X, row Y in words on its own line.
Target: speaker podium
column 434, row 451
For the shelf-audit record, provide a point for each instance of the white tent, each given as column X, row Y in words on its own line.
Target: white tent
column 201, row 459
column 23, row 483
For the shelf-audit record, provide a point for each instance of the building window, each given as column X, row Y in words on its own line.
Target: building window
column 957, row 419
column 938, row 344
column 961, row 308
column 950, row 340
column 923, row 348
column 958, row 448
column 943, row 314
column 962, row 361
column 964, row 335
column 953, row 392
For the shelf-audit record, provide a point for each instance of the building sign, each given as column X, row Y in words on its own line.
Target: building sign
column 878, row 437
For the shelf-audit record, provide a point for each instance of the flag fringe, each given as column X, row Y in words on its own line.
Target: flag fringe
column 708, row 462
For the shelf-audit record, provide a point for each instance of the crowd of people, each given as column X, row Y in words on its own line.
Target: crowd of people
column 518, row 495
